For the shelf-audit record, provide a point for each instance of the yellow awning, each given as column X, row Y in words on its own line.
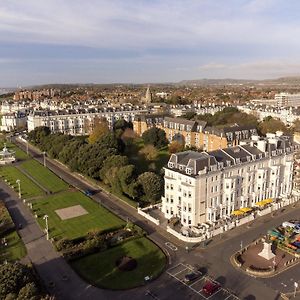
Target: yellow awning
column 245, row 209
column 267, row 201
column 264, row 202
column 237, row 213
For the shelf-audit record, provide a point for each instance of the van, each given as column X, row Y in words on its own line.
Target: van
column 288, row 224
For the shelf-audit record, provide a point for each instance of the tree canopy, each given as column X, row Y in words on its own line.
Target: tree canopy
column 271, row 125
column 100, row 129
column 17, row 282
column 156, row 137
column 152, row 185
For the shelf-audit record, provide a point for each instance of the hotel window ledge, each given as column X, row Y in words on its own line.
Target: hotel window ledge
column 171, row 178
column 186, row 184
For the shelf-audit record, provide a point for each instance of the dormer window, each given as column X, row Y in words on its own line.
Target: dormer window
column 171, row 165
column 260, row 155
column 238, row 160
column 188, row 171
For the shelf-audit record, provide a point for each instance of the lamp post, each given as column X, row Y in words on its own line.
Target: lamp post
column 295, row 288
column 27, row 148
column 44, row 153
column 18, row 181
column 47, row 228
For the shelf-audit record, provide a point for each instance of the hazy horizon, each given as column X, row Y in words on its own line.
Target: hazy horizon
column 51, row 41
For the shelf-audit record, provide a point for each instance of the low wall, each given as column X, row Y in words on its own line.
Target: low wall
column 147, row 216
column 265, row 211
column 185, row 238
column 260, row 273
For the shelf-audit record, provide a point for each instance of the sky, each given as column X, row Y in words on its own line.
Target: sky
column 141, row 41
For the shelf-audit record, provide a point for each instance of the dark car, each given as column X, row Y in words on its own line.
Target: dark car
column 191, row 277
column 210, row 288
column 88, row 193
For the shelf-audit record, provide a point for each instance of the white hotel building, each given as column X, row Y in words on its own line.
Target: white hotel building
column 78, row 122
column 208, row 186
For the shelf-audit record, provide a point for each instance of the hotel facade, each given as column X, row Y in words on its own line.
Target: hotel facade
column 209, row 186
column 195, row 133
column 77, row 122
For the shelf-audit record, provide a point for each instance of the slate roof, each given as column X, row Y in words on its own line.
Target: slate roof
column 197, row 161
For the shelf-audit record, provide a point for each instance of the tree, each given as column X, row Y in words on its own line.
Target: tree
column 123, row 125
column 110, row 140
column 127, row 178
column 28, row 292
column 175, row 147
column 156, row 137
column 149, row 152
column 296, row 125
column 189, row 115
column 100, row 129
column 270, row 125
column 152, row 186
column 38, row 134
column 13, row 277
column 114, row 161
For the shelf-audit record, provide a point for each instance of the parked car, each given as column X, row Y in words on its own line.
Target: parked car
column 210, row 288
column 191, row 277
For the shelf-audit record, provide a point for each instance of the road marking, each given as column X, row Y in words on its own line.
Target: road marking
column 283, row 284
column 180, row 272
column 198, row 280
column 171, row 246
column 213, row 294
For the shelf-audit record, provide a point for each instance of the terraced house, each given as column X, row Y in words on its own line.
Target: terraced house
column 207, row 186
column 195, row 133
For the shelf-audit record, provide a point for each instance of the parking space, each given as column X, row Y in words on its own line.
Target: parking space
column 179, row 272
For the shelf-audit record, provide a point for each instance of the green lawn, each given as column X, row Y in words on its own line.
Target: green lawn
column 97, row 218
column 28, row 188
column 15, row 249
column 100, row 269
column 44, row 176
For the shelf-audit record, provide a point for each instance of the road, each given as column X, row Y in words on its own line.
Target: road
column 215, row 257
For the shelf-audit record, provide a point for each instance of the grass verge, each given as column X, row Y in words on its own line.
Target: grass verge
column 44, row 176
column 28, row 188
column 100, row 269
column 97, row 218
column 15, row 248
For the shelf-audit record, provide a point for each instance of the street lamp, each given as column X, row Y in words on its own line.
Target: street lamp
column 295, row 288
column 44, row 153
column 47, row 228
column 18, row 181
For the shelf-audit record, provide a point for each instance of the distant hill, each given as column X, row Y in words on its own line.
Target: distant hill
column 283, row 81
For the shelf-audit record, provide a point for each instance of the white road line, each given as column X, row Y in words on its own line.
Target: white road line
column 213, row 294
column 198, row 280
column 180, row 264
column 180, row 271
column 227, row 297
